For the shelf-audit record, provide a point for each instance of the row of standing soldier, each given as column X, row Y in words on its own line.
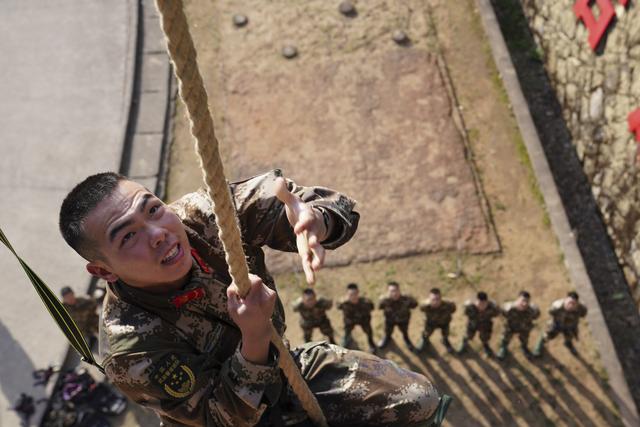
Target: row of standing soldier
column 519, row 319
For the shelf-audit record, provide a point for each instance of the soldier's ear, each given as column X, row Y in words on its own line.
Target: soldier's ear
column 99, row 271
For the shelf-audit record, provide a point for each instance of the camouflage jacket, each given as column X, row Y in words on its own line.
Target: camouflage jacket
column 313, row 316
column 520, row 320
column 440, row 315
column 397, row 311
column 566, row 319
column 178, row 353
column 356, row 314
column 481, row 317
column 84, row 313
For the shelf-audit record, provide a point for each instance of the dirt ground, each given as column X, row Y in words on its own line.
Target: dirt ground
column 559, row 389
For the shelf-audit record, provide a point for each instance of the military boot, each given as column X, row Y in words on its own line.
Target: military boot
column 487, row 349
column 526, row 351
column 571, row 348
column 447, row 345
column 463, row 346
column 423, row 345
column 502, row 352
column 384, row 341
column 346, row 340
column 539, row 348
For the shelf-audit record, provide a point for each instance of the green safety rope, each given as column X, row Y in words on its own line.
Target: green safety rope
column 56, row 309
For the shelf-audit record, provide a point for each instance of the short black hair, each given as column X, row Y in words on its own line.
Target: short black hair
column 393, row 283
column 66, row 290
column 482, row 296
column 573, row 295
column 308, row 291
column 435, row 291
column 525, row 294
column 352, row 286
column 78, row 205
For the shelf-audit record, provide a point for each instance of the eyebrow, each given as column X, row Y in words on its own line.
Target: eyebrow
column 119, row 227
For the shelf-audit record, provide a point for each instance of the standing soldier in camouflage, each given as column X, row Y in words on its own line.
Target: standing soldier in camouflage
column 397, row 312
column 84, row 312
column 565, row 315
column 313, row 314
column 177, row 337
column 438, row 313
column 519, row 315
column 480, row 314
column 356, row 310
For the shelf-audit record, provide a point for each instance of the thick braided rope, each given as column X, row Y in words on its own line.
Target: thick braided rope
column 183, row 56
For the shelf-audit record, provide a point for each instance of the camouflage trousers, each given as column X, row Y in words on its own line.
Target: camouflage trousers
column 325, row 328
column 430, row 327
column 523, row 335
column 484, row 331
column 355, row 388
column 403, row 326
column 554, row 329
column 366, row 328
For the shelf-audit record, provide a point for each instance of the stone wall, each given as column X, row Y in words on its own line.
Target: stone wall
column 598, row 90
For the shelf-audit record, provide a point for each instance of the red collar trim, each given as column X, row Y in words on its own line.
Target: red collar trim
column 180, row 300
column 203, row 266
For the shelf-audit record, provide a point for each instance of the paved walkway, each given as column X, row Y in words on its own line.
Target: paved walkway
column 64, row 81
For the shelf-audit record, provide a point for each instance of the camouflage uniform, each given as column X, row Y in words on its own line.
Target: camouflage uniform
column 436, row 318
column 178, row 353
column 397, row 313
column 314, row 317
column 517, row 322
column 357, row 314
column 84, row 313
column 480, row 321
column 562, row 321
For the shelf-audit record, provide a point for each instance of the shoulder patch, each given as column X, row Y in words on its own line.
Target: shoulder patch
column 174, row 376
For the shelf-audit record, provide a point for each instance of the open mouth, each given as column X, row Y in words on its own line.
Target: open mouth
column 173, row 255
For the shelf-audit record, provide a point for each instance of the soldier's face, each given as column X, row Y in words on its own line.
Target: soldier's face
column 352, row 295
column 69, row 298
column 482, row 305
column 309, row 300
column 142, row 241
column 522, row 303
column 570, row 304
column 436, row 299
column 394, row 292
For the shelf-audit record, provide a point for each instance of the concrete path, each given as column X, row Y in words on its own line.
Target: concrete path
column 65, row 80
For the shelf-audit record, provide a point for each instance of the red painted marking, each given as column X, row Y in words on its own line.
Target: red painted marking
column 634, row 123
column 596, row 28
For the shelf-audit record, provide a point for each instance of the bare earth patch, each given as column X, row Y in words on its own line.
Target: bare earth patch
column 356, row 112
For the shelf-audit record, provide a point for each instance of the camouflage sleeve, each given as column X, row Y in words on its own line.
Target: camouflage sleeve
column 583, row 310
column 382, row 303
column 327, row 304
column 424, row 306
column 468, row 310
column 368, row 304
column 189, row 389
column 412, row 302
column 340, row 305
column 536, row 311
column 452, row 307
column 264, row 221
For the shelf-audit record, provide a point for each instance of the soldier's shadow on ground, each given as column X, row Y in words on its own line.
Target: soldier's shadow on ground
column 551, row 363
column 16, row 369
column 458, row 414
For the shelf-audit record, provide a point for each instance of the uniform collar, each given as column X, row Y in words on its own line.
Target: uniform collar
column 193, row 291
